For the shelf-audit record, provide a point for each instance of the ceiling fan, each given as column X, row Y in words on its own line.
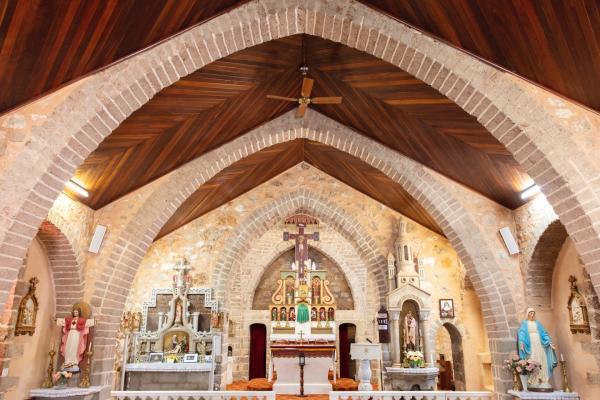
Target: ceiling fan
column 307, row 84
column 304, row 100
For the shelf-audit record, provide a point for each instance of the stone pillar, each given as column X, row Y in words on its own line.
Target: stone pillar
column 160, row 319
column 395, row 337
column 428, row 340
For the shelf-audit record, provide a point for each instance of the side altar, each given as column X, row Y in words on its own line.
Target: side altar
column 302, row 319
column 176, row 343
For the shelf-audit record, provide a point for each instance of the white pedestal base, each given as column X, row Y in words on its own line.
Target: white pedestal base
column 309, row 388
column 544, row 396
column 407, row 378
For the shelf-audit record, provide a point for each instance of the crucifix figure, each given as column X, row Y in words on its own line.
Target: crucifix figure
column 301, row 250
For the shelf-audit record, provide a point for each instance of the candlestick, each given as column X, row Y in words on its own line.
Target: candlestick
column 48, row 382
column 562, row 357
column 566, row 387
column 85, row 379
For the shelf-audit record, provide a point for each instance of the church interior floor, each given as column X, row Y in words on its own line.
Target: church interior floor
column 243, row 385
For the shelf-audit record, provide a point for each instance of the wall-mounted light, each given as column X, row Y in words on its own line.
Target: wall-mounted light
column 77, row 188
column 530, row 191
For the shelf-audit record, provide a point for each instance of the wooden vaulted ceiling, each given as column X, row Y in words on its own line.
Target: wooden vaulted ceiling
column 260, row 167
column 46, row 44
column 228, row 98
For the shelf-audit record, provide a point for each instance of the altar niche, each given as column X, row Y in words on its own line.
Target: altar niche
column 177, row 341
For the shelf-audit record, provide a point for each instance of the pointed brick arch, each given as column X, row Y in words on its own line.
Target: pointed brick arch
column 455, row 220
column 520, row 119
column 65, row 267
column 267, row 217
column 538, row 279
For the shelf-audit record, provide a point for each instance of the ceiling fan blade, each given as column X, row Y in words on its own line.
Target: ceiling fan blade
column 326, row 100
column 307, row 85
column 301, row 110
column 270, row 96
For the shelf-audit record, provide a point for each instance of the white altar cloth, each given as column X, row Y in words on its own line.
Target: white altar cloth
column 168, row 367
column 556, row 395
column 66, row 393
column 315, row 375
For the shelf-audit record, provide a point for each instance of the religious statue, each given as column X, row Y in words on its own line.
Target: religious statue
column 535, row 343
column 28, row 309
column 313, row 314
column 178, row 346
column 322, row 315
column 316, row 290
column 283, row 314
column 330, row 314
column 74, row 339
column 273, row 314
column 410, row 332
column 202, row 349
column 178, row 314
column 577, row 307
column 289, row 290
column 292, row 316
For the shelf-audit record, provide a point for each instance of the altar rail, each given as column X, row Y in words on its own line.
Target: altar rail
column 192, row 395
column 409, row 395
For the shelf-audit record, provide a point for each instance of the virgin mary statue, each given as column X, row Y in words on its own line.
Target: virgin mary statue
column 74, row 339
column 534, row 343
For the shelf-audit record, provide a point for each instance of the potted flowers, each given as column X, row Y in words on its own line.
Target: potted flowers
column 61, row 378
column 415, row 359
column 523, row 369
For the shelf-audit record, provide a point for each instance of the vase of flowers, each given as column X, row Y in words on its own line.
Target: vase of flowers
column 61, row 379
column 415, row 359
column 523, row 369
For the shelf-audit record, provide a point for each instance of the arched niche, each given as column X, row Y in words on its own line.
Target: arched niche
column 449, row 347
column 338, row 285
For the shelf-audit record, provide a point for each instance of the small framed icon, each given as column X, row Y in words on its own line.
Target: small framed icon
column 446, row 308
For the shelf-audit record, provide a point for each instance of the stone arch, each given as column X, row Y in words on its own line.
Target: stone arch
column 456, row 222
column 265, row 218
column 456, row 331
column 347, row 267
column 65, row 267
column 501, row 103
column 538, row 279
column 416, row 299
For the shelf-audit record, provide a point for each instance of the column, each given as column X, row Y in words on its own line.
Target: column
column 395, row 338
column 428, row 346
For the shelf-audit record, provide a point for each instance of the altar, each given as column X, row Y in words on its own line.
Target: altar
column 174, row 343
column 319, row 360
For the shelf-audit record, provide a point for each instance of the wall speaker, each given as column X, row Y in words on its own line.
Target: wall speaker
column 97, row 239
column 509, row 241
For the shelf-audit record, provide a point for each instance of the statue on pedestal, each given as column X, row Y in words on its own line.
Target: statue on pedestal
column 410, row 332
column 76, row 329
column 535, row 343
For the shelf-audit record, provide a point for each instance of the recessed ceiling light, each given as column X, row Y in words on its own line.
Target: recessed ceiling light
column 530, row 191
column 77, row 188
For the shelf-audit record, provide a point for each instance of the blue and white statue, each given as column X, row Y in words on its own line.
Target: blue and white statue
column 535, row 343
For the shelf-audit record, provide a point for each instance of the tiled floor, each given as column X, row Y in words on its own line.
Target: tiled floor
column 243, row 385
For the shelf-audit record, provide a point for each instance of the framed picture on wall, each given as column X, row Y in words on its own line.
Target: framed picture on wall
column 156, row 357
column 446, row 308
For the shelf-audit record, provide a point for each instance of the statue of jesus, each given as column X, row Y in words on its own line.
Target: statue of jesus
column 410, row 332
column 74, row 339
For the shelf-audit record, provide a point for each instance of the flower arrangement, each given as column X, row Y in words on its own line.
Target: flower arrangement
column 522, row 367
column 60, row 378
column 414, row 358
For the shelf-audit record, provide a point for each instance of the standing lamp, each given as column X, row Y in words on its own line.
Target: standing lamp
column 302, row 363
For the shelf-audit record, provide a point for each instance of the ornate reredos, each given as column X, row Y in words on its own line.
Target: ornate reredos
column 187, row 297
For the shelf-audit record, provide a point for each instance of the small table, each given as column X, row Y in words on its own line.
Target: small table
column 88, row 393
column 556, row 395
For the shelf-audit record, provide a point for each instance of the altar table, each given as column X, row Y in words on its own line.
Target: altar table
column 320, row 358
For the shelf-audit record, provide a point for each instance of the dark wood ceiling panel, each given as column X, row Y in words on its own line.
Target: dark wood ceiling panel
column 45, row 44
column 258, row 168
column 555, row 43
column 228, row 98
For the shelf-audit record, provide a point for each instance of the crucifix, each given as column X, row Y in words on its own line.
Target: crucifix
column 301, row 249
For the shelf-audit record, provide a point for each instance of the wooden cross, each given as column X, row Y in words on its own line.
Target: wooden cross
column 301, row 249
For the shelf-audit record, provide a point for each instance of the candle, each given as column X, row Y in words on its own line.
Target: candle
column 562, row 358
column 90, row 346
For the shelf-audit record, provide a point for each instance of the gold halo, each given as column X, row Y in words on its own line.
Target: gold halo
column 86, row 309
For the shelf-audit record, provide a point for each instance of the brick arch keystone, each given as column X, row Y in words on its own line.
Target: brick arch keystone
column 520, row 119
column 269, row 216
column 454, row 219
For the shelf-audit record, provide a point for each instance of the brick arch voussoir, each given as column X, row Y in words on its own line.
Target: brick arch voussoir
column 268, row 216
column 538, row 276
column 65, row 267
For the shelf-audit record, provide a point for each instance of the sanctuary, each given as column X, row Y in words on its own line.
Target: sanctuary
column 262, row 199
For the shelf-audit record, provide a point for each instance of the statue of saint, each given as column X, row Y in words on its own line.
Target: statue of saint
column 313, row 314
column 283, row 314
column 292, row 314
column 535, row 343
column 316, row 290
column 74, row 339
column 273, row 314
column 330, row 314
column 322, row 314
column 410, row 332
